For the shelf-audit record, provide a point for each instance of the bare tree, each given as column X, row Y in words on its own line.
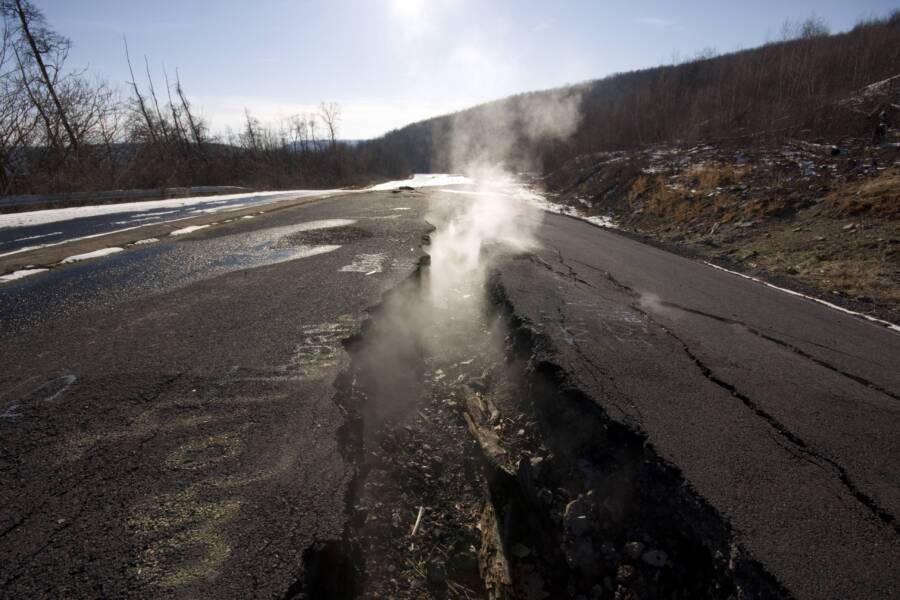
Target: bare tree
column 160, row 120
column 17, row 122
column 311, row 125
column 250, row 138
column 176, row 119
column 139, row 99
column 40, row 42
column 195, row 124
column 36, row 101
column 330, row 112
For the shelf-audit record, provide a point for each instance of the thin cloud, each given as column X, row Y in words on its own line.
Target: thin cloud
column 543, row 25
column 658, row 22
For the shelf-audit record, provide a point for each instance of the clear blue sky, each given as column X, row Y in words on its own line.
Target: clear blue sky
column 390, row 62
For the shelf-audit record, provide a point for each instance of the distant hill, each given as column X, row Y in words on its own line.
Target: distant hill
column 800, row 87
column 793, row 87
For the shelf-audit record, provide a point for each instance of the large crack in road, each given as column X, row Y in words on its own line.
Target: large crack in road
column 510, row 421
column 484, row 474
column 483, row 471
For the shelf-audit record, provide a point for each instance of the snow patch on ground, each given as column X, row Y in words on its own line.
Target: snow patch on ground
column 571, row 211
column 324, row 224
column 147, row 241
column 601, row 221
column 39, row 217
column 27, row 248
column 90, row 255
column 228, row 208
column 135, row 220
column 887, row 324
column 189, row 229
column 423, row 180
column 20, row 274
column 368, row 264
column 538, row 201
column 312, row 251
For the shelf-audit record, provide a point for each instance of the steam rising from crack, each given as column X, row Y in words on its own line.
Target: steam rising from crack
column 497, row 217
column 436, row 321
column 493, row 135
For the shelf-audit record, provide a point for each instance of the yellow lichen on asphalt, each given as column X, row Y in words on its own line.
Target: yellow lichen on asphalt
column 184, row 534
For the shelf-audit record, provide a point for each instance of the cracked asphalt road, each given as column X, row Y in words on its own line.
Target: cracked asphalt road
column 167, row 414
column 169, row 427
column 781, row 413
column 116, row 217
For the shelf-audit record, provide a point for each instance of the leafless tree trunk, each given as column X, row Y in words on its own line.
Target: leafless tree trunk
column 176, row 120
column 331, row 114
column 26, row 13
column 313, row 136
column 162, row 122
column 194, row 124
column 142, row 105
column 38, row 104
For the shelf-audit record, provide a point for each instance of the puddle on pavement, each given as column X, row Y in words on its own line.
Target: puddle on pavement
column 273, row 246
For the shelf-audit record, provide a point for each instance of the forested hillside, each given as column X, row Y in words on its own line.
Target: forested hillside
column 795, row 87
column 63, row 130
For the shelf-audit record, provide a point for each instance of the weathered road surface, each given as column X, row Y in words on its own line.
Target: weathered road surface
column 169, row 426
column 19, row 231
column 782, row 414
column 167, row 413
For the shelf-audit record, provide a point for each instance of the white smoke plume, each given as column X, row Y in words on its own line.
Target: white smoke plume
column 497, row 216
column 436, row 320
column 492, row 135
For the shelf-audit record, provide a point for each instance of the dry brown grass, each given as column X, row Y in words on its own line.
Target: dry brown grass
column 876, row 197
column 709, row 176
column 653, row 195
column 685, row 197
column 640, row 185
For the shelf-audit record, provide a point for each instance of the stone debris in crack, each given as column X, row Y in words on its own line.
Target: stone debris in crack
column 420, row 496
column 483, row 475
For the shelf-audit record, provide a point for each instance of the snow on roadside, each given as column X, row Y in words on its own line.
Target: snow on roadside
column 228, row 207
column 309, row 225
column 188, row 229
column 323, row 224
column 53, row 215
column 90, row 255
column 538, row 201
column 20, row 274
column 600, row 221
column 423, row 180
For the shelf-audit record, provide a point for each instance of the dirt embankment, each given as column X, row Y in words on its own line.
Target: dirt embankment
column 821, row 216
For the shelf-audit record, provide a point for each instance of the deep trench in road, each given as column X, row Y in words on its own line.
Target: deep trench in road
column 482, row 472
